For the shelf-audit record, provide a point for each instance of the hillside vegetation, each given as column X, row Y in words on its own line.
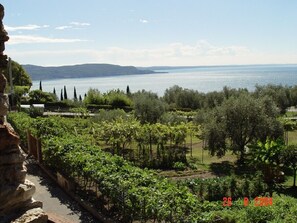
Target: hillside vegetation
column 83, row 70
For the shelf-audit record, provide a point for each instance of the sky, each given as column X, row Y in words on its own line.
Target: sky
column 151, row 32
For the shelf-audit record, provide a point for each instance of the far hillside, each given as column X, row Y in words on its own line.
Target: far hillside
column 80, row 71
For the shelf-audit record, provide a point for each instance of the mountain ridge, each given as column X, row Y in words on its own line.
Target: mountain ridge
column 81, row 71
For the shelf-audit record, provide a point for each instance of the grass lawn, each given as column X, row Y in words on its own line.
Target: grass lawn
column 292, row 137
column 291, row 114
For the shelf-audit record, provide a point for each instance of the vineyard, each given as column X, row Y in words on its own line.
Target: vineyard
column 116, row 185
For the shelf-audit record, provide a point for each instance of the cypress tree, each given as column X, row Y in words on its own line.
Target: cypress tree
column 54, row 91
column 40, row 86
column 75, row 95
column 61, row 97
column 80, row 98
column 65, row 93
column 128, row 90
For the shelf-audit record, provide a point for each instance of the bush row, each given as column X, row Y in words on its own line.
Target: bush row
column 215, row 189
column 140, row 193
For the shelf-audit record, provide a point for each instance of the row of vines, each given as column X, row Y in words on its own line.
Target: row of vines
column 156, row 146
column 131, row 194
column 149, row 145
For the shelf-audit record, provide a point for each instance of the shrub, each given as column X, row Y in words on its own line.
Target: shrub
column 179, row 166
column 21, row 122
column 109, row 115
column 35, row 112
column 118, row 99
column 94, row 97
column 40, row 97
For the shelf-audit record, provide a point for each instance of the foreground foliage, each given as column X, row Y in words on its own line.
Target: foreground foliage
column 139, row 194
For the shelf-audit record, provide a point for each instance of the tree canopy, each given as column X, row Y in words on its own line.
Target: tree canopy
column 38, row 96
column 148, row 107
column 240, row 121
column 19, row 75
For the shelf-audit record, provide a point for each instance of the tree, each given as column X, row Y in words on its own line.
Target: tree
column 289, row 159
column 128, row 92
column 94, row 97
column 38, row 96
column 75, row 95
column 61, row 96
column 19, row 75
column 289, row 126
column 214, row 132
column 118, row 99
column 171, row 95
column 279, row 94
column 54, row 91
column 19, row 91
column 190, row 99
column 266, row 155
column 21, row 81
column 240, row 121
column 65, row 93
column 177, row 97
column 40, row 86
column 80, row 98
column 213, row 99
column 148, row 107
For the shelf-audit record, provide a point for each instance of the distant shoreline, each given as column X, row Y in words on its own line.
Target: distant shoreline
column 212, row 66
column 83, row 71
column 200, row 79
column 38, row 73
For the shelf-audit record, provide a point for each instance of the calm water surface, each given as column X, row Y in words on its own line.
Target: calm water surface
column 203, row 79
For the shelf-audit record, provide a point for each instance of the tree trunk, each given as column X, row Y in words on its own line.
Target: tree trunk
column 151, row 148
column 241, row 157
column 294, row 183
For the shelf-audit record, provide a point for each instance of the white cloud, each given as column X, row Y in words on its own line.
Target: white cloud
column 175, row 54
column 143, row 21
column 28, row 39
column 63, row 27
column 25, row 27
column 73, row 25
column 201, row 53
column 80, row 23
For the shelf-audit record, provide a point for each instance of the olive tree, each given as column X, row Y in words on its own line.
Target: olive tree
column 239, row 122
column 148, row 107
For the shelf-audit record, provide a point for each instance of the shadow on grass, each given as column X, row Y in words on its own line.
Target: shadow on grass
column 223, row 168
column 289, row 191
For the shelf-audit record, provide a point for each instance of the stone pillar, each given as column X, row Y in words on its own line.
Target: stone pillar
column 16, row 202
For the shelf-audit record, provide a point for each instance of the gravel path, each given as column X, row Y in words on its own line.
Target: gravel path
column 59, row 206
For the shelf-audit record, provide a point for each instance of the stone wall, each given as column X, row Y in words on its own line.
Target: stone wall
column 16, row 202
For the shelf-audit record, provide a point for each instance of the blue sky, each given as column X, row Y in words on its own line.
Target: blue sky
column 151, row 32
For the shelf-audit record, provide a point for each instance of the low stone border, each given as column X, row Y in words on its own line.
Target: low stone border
column 86, row 205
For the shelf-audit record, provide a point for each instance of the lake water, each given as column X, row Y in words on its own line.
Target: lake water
column 203, row 79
